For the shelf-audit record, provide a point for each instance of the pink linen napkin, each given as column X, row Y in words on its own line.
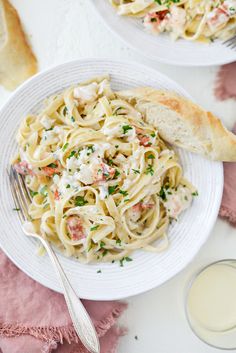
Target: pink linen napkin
column 226, row 88
column 226, row 82
column 35, row 319
column 228, row 204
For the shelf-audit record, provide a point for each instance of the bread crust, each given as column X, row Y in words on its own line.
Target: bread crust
column 17, row 61
column 207, row 134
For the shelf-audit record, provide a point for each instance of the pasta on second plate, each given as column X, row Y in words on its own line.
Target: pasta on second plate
column 102, row 181
column 202, row 20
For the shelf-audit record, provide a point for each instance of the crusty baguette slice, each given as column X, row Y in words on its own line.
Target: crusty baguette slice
column 17, row 61
column 183, row 123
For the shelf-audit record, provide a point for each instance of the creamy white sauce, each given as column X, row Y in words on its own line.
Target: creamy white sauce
column 85, row 175
column 103, row 189
column 177, row 201
column 86, row 93
column 47, row 122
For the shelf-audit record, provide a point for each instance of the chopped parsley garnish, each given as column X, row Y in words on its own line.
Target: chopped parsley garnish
column 126, row 200
column 162, row 194
column 126, row 258
column 126, row 128
column 151, row 156
column 102, row 244
column 104, row 252
column 52, row 165
column 118, row 241
column 116, row 146
column 80, row 201
column 110, row 162
column 195, row 193
column 16, row 209
column 65, row 110
column 33, row 193
column 186, row 198
column 99, row 271
column 136, row 171
column 65, row 146
column 91, row 149
column 123, row 192
column 117, row 173
column 68, row 186
column 113, row 261
column 72, row 154
column 149, row 170
column 43, row 191
column 72, row 119
column 112, row 189
column 94, row 228
column 167, row 2
column 46, row 205
column 51, row 128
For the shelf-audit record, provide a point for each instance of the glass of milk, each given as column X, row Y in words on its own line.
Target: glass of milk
column 211, row 304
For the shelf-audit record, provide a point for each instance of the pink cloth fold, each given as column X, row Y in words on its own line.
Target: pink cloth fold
column 225, row 89
column 35, row 319
column 228, row 204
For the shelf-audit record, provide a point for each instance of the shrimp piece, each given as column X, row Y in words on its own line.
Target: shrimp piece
column 136, row 211
column 23, row 168
column 56, row 195
column 144, row 139
column 103, row 172
column 156, row 22
column 75, row 228
column 217, row 18
column 53, row 168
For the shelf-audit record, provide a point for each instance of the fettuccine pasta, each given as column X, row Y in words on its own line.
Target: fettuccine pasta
column 102, row 181
column 202, row 20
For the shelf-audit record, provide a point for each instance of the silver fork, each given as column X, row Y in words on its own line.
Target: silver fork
column 82, row 323
column 230, row 43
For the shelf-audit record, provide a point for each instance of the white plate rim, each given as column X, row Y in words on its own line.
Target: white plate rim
column 148, row 70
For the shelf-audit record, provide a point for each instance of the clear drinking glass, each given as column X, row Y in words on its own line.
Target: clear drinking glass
column 217, row 337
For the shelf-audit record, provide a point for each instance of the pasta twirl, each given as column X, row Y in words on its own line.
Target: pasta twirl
column 102, row 181
column 202, row 20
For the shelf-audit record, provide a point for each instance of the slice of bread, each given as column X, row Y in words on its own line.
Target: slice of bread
column 183, row 123
column 17, row 62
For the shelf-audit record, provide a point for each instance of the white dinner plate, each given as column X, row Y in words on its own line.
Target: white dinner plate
column 147, row 270
column 162, row 48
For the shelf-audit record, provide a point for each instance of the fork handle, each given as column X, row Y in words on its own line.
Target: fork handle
column 82, row 323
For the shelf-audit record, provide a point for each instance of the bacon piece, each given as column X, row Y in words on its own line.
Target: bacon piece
column 23, row 168
column 141, row 206
column 50, row 171
column 75, row 228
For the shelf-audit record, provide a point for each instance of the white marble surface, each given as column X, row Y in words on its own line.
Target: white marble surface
column 63, row 30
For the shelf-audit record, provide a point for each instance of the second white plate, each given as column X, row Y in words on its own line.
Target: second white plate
column 162, row 48
column 147, row 270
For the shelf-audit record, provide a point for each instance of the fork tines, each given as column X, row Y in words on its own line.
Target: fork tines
column 231, row 42
column 20, row 194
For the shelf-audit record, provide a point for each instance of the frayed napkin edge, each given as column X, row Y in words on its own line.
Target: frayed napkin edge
column 58, row 334
column 228, row 214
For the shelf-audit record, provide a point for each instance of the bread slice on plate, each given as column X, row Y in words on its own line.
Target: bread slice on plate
column 183, row 123
column 17, row 62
